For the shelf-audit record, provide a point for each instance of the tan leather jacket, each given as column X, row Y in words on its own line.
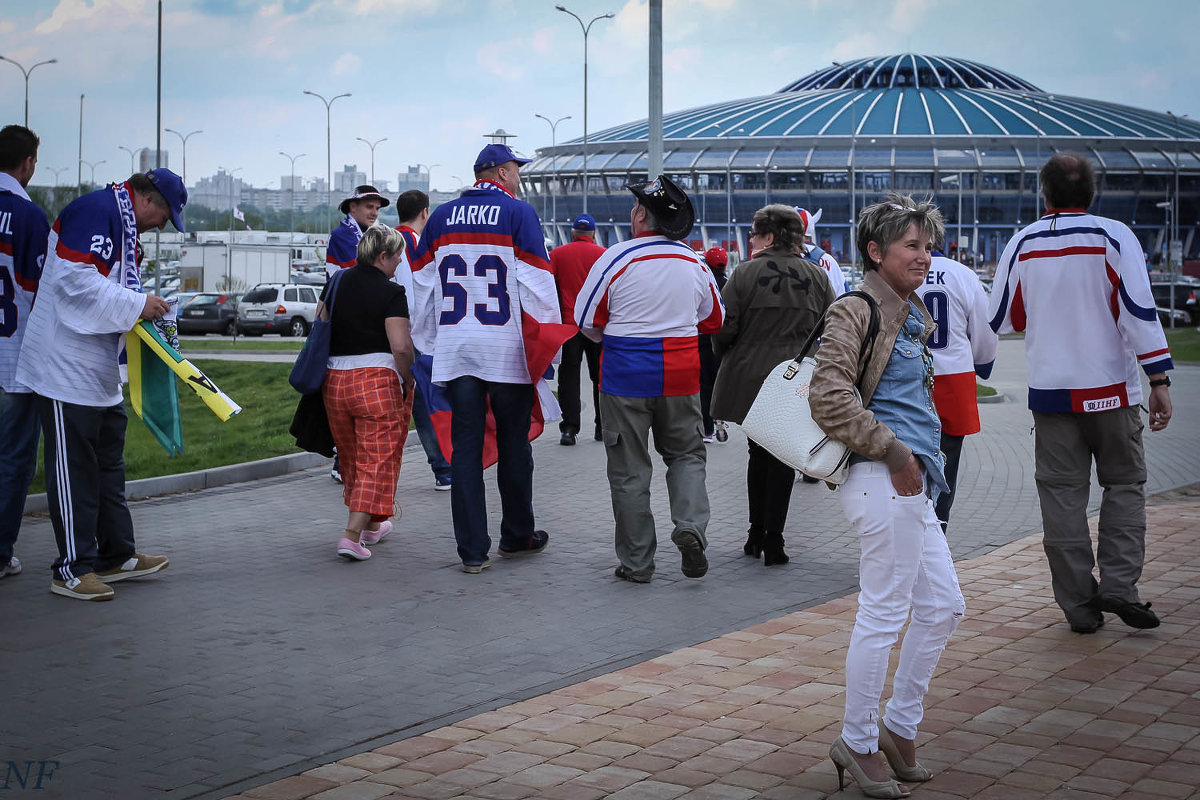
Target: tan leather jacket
column 831, row 397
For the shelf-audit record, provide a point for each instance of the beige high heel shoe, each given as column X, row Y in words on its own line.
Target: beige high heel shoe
column 843, row 759
column 917, row 773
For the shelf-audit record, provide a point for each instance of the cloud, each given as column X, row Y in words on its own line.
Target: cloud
column 347, row 64
column 500, row 59
column 76, row 11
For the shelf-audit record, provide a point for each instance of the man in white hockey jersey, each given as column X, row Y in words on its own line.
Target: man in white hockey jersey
column 23, row 232
column 89, row 297
column 645, row 300
column 479, row 272
column 963, row 346
column 1076, row 284
column 815, row 254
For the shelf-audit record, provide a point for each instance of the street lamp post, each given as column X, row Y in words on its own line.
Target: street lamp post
column 56, row 170
column 328, row 139
column 586, row 29
column 957, row 178
column 183, row 140
column 554, row 171
column 26, row 73
column 132, row 168
column 232, row 205
column 372, row 146
column 1175, row 207
column 92, row 167
column 428, row 173
column 853, row 188
column 292, row 189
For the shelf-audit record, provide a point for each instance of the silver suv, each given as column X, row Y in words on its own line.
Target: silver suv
column 284, row 308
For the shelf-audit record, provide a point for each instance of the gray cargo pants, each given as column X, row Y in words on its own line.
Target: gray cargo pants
column 678, row 438
column 1064, row 447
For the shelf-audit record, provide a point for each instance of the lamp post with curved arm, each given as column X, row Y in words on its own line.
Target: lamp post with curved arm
column 183, row 140
column 586, row 29
column 292, row 189
column 26, row 73
column 132, row 168
column 372, row 146
column 92, row 167
column 553, row 171
column 328, row 139
column 428, row 173
column 56, row 170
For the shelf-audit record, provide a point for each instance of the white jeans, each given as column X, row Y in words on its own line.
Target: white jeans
column 905, row 566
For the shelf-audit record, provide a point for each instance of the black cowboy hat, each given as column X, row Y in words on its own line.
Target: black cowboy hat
column 361, row 192
column 668, row 203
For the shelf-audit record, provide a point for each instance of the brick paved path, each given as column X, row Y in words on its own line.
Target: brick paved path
column 259, row 654
column 1020, row 707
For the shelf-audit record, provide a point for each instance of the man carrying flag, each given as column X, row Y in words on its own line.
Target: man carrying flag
column 486, row 307
column 89, row 297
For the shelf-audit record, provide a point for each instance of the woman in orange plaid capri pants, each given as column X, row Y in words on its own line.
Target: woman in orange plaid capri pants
column 369, row 386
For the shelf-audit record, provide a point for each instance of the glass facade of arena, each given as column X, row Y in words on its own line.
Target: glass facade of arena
column 971, row 136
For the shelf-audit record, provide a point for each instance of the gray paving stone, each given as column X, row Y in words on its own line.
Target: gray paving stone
column 259, row 654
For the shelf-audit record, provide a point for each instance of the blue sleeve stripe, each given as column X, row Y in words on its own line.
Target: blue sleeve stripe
column 1142, row 313
column 1162, row 365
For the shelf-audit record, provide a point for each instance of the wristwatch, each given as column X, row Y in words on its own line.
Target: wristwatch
column 1165, row 381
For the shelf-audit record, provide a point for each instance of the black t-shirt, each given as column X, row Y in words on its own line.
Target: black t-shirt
column 365, row 298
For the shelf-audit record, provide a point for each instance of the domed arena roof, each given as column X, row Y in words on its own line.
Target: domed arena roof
column 910, row 95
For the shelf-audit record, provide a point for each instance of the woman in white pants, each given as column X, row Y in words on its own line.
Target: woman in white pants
column 896, row 474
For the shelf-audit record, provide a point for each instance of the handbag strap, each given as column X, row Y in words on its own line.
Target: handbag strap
column 333, row 284
column 868, row 342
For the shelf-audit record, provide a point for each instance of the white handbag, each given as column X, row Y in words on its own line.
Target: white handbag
column 780, row 419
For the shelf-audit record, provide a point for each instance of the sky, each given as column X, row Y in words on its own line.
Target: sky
column 435, row 76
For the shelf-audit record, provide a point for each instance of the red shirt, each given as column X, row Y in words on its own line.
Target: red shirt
column 570, row 265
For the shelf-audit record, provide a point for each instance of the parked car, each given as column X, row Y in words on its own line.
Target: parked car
column 1185, row 297
column 284, row 308
column 210, row 312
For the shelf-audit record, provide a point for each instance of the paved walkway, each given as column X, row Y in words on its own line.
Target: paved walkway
column 260, row 655
column 1020, row 707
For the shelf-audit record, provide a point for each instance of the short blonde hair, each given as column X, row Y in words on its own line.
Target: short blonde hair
column 377, row 241
column 887, row 222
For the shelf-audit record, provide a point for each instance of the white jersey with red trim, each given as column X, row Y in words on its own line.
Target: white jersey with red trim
column 1077, row 285
column 646, row 299
column 481, row 265
column 963, row 344
column 23, row 233
column 837, row 279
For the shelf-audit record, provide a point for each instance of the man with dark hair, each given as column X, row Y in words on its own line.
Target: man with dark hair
column 23, row 231
column 482, row 277
column 570, row 264
column 412, row 207
column 1076, row 284
column 646, row 299
column 90, row 296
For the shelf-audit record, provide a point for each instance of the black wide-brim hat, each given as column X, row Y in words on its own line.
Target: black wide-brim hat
column 668, row 203
column 362, row 192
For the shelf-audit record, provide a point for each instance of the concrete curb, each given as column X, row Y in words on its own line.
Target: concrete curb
column 204, row 479
column 998, row 397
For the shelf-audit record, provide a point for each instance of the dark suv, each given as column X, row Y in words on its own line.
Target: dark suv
column 1186, row 293
column 210, row 312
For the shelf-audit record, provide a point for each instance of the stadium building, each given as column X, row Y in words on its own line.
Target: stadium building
column 971, row 135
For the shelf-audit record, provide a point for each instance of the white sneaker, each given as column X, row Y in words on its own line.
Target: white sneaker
column 12, row 568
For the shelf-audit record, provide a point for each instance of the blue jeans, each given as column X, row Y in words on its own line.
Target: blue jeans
column 511, row 404
column 421, row 421
column 19, row 429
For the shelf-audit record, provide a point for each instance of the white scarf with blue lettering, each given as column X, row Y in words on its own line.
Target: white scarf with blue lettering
column 130, row 276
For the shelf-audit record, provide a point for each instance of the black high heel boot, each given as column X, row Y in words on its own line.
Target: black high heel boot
column 754, row 542
column 772, row 545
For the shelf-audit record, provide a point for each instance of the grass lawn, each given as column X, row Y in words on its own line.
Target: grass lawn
column 1185, row 344
column 984, row 391
column 260, row 431
column 242, row 343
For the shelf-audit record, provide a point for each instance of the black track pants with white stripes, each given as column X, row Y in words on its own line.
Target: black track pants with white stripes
column 85, row 484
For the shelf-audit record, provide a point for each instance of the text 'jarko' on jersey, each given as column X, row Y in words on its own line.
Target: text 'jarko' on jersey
column 481, row 263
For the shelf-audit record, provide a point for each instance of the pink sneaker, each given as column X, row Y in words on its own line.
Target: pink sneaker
column 374, row 537
column 352, row 550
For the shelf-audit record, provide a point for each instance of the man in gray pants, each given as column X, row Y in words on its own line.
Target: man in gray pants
column 646, row 299
column 1076, row 283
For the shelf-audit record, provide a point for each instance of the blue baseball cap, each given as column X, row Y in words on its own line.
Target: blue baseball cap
column 171, row 187
column 496, row 154
column 584, row 222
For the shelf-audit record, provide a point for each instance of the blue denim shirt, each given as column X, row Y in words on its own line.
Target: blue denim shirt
column 904, row 400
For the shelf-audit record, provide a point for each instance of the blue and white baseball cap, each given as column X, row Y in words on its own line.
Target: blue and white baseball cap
column 496, row 154
column 584, row 222
column 171, row 187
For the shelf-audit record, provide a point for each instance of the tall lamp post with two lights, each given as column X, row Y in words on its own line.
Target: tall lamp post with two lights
column 26, row 73
column 586, row 29
column 553, row 171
